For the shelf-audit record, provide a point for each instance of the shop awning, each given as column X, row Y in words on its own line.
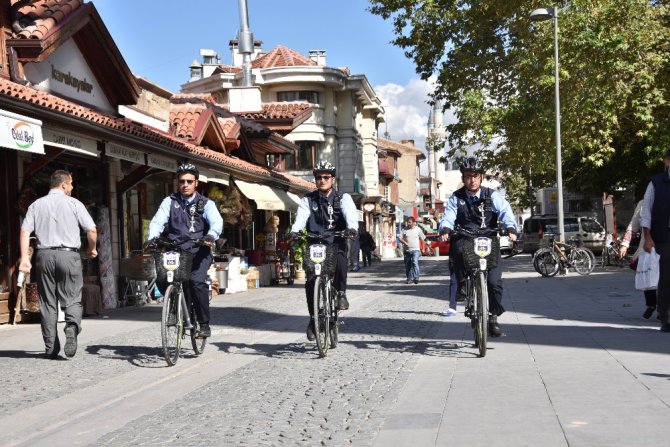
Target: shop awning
column 20, row 133
column 267, row 197
column 212, row 176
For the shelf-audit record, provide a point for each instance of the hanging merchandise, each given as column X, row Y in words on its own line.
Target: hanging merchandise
column 107, row 281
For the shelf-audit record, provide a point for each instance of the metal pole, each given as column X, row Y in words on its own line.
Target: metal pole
column 559, row 170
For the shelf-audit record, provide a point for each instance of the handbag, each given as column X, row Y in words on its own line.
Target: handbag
column 648, row 270
column 633, row 264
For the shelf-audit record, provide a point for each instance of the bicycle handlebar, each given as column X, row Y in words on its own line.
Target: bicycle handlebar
column 153, row 244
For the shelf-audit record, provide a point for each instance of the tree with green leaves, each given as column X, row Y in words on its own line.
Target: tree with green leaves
column 495, row 70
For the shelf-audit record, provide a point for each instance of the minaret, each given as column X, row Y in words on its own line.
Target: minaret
column 437, row 132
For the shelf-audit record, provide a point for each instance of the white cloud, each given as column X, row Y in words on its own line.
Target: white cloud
column 407, row 110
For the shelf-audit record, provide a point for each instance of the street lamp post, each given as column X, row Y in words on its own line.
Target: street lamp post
column 539, row 15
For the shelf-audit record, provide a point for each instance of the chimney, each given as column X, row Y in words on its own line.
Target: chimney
column 318, row 56
column 410, row 142
column 196, row 71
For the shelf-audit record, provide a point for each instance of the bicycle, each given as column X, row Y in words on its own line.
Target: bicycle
column 322, row 259
column 481, row 250
column 173, row 267
column 612, row 253
column 560, row 256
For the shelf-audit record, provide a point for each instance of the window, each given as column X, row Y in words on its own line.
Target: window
column 302, row 95
column 306, row 157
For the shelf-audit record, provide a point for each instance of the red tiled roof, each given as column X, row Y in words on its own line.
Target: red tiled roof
column 279, row 111
column 183, row 119
column 30, row 95
column 36, row 19
column 281, row 56
column 226, row 69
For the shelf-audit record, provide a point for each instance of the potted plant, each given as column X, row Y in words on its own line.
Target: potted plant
column 299, row 251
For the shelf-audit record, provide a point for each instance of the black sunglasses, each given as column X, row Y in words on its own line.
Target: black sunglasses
column 184, row 181
column 323, row 177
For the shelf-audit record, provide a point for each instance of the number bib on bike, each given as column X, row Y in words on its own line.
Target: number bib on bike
column 171, row 263
column 482, row 246
column 317, row 253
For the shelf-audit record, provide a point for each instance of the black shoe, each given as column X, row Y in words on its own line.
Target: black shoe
column 204, row 331
column 665, row 327
column 648, row 313
column 311, row 335
column 409, row 281
column 342, row 302
column 53, row 353
column 71, row 340
column 416, row 281
column 494, row 329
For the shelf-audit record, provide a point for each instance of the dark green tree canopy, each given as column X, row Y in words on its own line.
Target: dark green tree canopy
column 495, row 69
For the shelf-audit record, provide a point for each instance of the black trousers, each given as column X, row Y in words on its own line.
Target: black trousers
column 494, row 282
column 663, row 291
column 340, row 280
column 198, row 290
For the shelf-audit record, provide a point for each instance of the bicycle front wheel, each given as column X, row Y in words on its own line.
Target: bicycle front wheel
column 321, row 315
column 334, row 326
column 172, row 325
column 545, row 262
column 581, row 261
column 482, row 312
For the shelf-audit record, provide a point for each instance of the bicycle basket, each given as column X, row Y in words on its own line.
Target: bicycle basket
column 470, row 258
column 138, row 268
column 183, row 272
column 328, row 266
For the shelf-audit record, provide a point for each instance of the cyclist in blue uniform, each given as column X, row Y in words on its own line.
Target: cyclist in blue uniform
column 473, row 207
column 324, row 212
column 185, row 216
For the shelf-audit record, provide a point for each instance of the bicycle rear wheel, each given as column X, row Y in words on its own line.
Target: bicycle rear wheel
column 334, row 326
column 321, row 316
column 482, row 312
column 581, row 261
column 545, row 262
column 172, row 325
column 197, row 342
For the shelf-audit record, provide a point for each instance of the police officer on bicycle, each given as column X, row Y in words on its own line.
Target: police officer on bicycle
column 324, row 212
column 474, row 207
column 185, row 216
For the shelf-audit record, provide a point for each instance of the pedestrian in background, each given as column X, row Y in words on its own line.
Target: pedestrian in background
column 633, row 227
column 354, row 253
column 411, row 239
column 367, row 247
column 56, row 219
column 655, row 221
column 453, row 289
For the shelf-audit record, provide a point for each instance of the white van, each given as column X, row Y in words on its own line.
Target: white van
column 586, row 230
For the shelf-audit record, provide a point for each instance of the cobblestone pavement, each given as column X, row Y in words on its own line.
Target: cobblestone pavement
column 399, row 375
column 288, row 396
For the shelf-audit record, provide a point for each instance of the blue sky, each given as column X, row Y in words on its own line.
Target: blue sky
column 159, row 39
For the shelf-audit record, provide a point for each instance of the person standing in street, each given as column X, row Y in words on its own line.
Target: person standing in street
column 655, row 221
column 410, row 238
column 367, row 247
column 56, row 220
column 354, row 251
column 633, row 227
column 185, row 217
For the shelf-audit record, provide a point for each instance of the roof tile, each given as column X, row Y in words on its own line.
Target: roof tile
column 281, row 56
column 34, row 20
column 13, row 90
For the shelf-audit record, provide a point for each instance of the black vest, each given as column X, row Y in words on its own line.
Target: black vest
column 469, row 214
column 660, row 212
column 187, row 221
column 318, row 221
